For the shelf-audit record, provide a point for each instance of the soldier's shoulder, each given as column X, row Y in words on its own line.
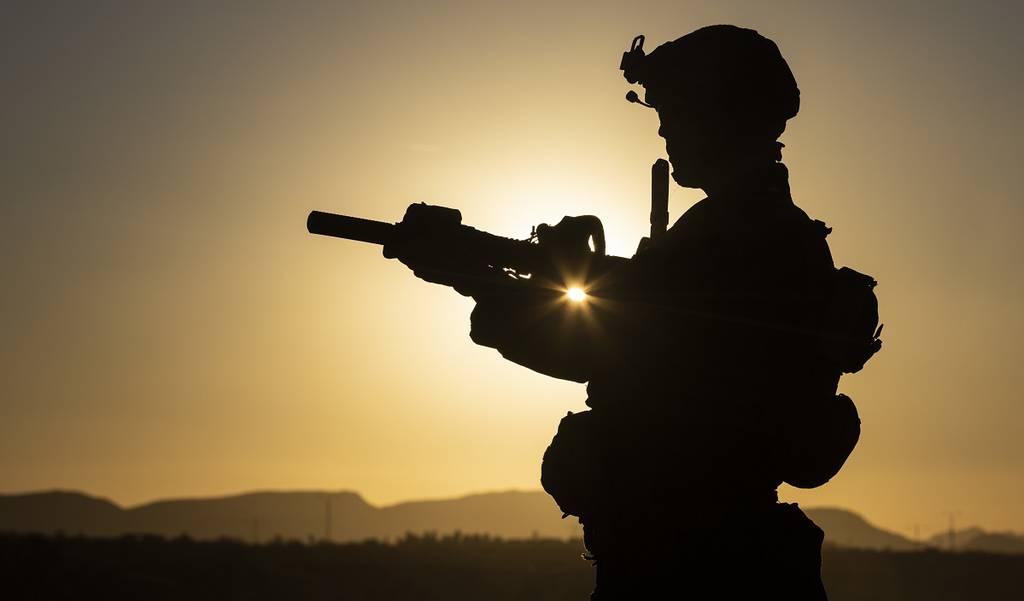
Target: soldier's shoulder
column 702, row 209
column 697, row 219
column 790, row 216
column 816, row 227
column 798, row 214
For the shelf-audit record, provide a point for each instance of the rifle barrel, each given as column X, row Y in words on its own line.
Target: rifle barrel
column 350, row 228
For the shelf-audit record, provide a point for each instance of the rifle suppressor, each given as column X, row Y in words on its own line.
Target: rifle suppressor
column 350, row 228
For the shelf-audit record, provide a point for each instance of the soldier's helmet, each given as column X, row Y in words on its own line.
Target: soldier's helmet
column 720, row 71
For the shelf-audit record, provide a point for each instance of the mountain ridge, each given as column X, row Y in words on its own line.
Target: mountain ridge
column 344, row 515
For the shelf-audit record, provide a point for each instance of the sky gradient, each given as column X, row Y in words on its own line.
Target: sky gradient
column 170, row 329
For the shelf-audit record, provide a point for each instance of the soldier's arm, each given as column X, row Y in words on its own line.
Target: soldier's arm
column 534, row 330
column 544, row 330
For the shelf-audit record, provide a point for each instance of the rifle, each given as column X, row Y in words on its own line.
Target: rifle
column 433, row 240
column 442, row 249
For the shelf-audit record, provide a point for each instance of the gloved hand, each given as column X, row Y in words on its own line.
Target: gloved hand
column 430, row 242
column 423, row 242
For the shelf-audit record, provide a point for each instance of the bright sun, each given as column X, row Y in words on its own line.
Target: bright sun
column 576, row 295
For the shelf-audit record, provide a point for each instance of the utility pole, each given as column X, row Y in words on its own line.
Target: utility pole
column 327, row 518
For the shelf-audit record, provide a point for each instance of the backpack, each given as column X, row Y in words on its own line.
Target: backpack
column 825, row 434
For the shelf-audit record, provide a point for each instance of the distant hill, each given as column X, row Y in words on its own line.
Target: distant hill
column 289, row 515
column 60, row 511
column 976, row 539
column 311, row 514
column 848, row 529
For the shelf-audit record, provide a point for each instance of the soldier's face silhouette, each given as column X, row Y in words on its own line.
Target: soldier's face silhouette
column 707, row 146
column 693, row 142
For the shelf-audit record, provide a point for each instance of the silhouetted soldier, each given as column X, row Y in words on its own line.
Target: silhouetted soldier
column 712, row 356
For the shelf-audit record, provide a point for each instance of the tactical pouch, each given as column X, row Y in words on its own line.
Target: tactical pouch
column 571, row 470
column 850, row 323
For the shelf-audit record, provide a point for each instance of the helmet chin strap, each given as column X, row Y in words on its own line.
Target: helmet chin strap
column 724, row 173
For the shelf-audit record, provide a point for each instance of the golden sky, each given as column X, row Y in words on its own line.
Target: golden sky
column 169, row 328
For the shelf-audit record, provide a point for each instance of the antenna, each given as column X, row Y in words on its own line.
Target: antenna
column 659, row 204
column 659, row 199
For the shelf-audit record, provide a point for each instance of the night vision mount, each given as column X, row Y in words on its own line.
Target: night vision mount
column 633, row 67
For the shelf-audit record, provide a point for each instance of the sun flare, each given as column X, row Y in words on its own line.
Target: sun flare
column 576, row 295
